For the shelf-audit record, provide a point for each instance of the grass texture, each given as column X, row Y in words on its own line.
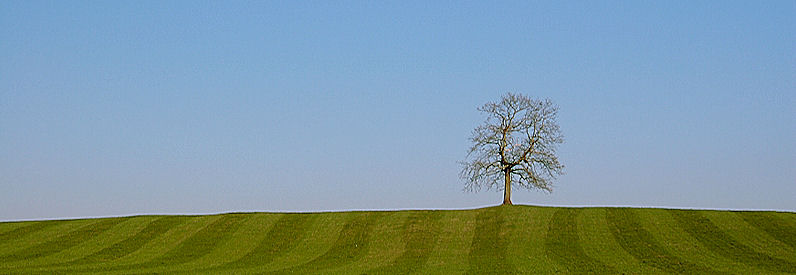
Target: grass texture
column 493, row 240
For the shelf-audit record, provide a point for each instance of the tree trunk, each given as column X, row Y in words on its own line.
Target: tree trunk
column 507, row 188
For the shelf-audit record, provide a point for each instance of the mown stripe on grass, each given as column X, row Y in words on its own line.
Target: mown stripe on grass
column 710, row 236
column 197, row 245
column 41, row 236
column 450, row 256
column 201, row 242
column 284, row 235
column 63, row 242
column 563, row 244
column 640, row 243
column 155, row 228
column 419, row 234
column 25, row 230
column 771, row 223
column 528, row 228
column 490, row 241
column 351, row 244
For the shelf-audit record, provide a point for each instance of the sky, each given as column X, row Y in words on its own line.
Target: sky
column 114, row 108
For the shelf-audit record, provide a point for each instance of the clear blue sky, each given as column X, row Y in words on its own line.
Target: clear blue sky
column 128, row 107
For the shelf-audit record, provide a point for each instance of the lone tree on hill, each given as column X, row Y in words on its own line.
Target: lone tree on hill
column 516, row 143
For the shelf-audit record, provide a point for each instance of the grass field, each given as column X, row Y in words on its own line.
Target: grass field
column 505, row 239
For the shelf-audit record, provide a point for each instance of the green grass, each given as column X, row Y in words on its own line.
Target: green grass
column 497, row 240
column 564, row 245
column 488, row 252
column 639, row 242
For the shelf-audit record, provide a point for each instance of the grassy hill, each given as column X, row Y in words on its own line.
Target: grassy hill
column 505, row 239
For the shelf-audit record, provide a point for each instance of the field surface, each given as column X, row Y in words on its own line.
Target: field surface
column 498, row 240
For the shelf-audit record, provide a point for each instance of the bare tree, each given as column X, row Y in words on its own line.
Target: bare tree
column 517, row 143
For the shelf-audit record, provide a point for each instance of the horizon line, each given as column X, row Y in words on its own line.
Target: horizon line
column 250, row 211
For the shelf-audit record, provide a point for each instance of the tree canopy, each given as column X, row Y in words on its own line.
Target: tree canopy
column 516, row 143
